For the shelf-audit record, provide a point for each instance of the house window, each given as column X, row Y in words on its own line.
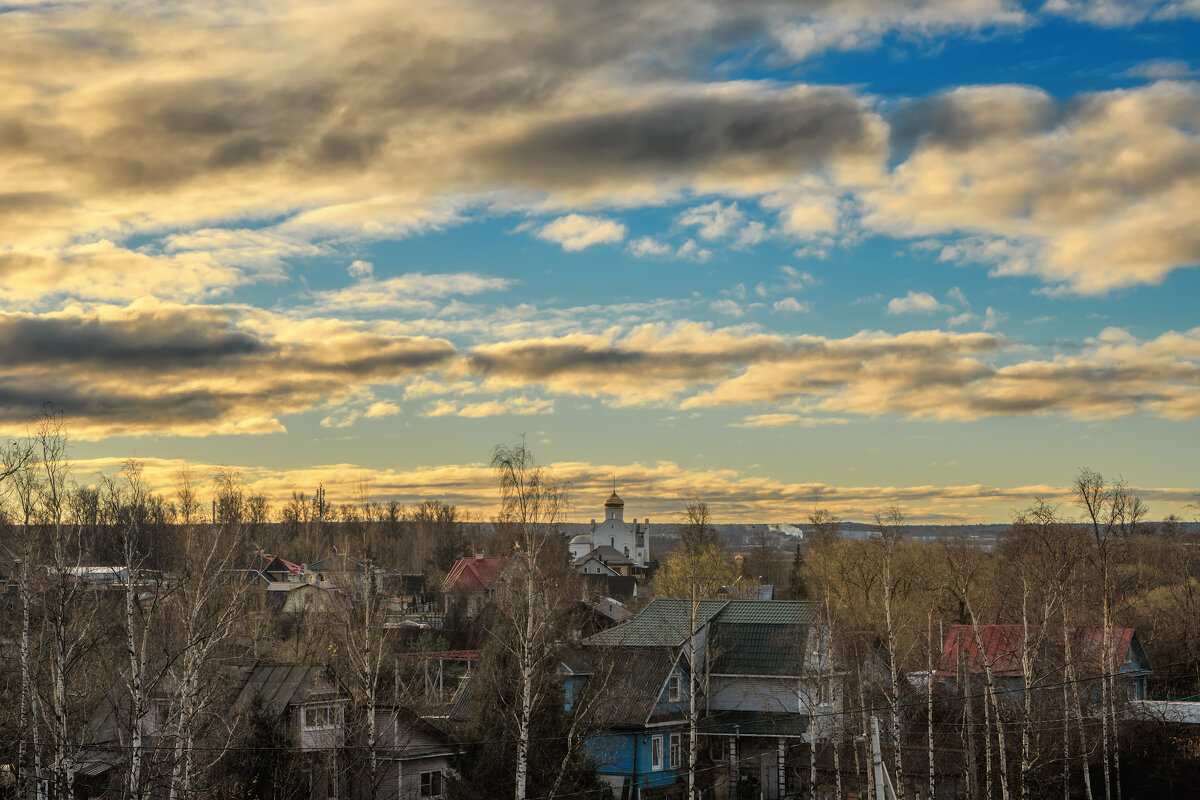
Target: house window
column 716, row 749
column 656, row 753
column 318, row 718
column 676, row 747
column 674, row 690
column 431, row 784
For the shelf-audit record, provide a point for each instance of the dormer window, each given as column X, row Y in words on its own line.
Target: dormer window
column 319, row 718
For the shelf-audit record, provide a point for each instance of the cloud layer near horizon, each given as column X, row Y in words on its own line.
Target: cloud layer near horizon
column 657, row 490
column 162, row 368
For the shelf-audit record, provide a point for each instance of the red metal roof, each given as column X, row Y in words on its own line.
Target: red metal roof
column 473, row 574
column 295, row 569
column 1001, row 645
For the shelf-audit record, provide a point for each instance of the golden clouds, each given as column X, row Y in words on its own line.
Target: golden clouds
column 155, row 367
column 657, row 490
column 1102, row 193
column 376, row 120
column 924, row 374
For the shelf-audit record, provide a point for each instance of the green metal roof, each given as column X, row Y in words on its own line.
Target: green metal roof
column 757, row 648
column 770, row 612
column 663, row 623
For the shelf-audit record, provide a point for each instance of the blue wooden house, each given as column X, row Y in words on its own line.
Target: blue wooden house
column 635, row 700
column 759, row 681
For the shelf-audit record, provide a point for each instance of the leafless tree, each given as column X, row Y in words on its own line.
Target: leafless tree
column 532, row 501
column 890, row 521
column 16, row 462
column 187, row 502
column 1112, row 511
column 826, row 526
column 207, row 609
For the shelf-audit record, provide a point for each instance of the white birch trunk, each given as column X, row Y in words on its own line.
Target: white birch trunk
column 929, row 701
column 693, row 710
column 1066, row 693
column 137, row 700
column 1105, row 649
column 26, row 678
column 895, row 671
column 527, row 677
column 1083, row 746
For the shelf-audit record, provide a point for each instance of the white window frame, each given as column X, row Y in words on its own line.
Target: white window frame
column 656, row 753
column 674, row 688
column 675, row 751
column 426, row 788
column 332, row 712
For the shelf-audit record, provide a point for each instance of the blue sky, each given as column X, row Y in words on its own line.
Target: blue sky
column 773, row 255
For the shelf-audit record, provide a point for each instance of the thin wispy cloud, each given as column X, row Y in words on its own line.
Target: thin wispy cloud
column 578, row 231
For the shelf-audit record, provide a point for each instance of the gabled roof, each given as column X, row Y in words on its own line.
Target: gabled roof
column 623, row 685
column 663, row 623
column 606, row 554
column 473, row 574
column 756, row 648
column 770, row 612
column 283, row 564
column 278, row 686
column 1003, row 644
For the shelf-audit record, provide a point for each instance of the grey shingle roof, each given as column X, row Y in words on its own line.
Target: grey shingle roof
column 623, row 685
column 279, row 685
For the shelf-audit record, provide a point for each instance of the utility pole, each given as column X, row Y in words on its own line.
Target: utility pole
column 883, row 782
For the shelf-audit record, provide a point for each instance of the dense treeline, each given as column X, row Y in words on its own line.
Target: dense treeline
column 180, row 622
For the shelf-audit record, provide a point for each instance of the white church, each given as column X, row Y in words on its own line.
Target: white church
column 617, row 546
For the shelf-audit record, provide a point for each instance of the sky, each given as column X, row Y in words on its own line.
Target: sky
column 939, row 254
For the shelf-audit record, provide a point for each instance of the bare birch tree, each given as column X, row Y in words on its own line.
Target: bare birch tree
column 206, row 609
column 532, row 501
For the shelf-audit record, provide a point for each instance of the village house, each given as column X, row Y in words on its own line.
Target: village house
column 472, row 579
column 966, row 656
column 760, row 675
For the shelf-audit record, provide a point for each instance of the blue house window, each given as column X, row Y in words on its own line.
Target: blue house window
column 676, row 741
column 674, row 691
column 656, row 753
